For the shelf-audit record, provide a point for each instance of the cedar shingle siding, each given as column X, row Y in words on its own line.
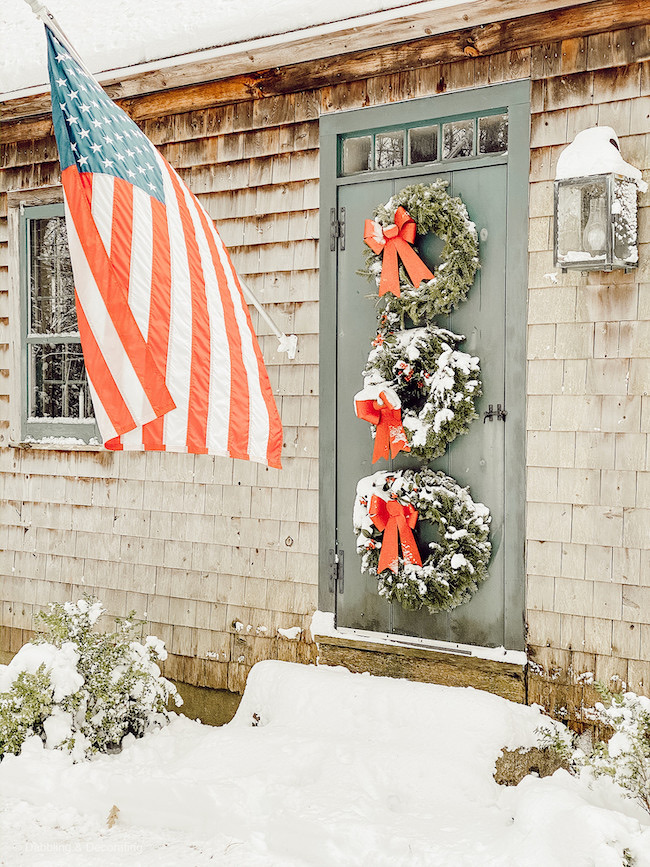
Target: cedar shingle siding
column 199, row 543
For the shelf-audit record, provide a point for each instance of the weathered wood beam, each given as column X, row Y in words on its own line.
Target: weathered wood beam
column 581, row 20
column 324, row 41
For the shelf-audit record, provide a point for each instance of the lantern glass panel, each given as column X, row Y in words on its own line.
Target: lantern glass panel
column 583, row 223
column 624, row 210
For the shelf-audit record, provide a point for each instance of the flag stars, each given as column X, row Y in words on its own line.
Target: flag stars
column 84, row 133
column 61, row 82
column 74, row 94
column 95, row 147
column 108, row 163
column 84, row 108
column 82, row 161
column 72, row 120
column 108, row 139
column 130, row 173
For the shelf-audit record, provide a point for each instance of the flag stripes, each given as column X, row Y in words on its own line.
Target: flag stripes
column 168, row 341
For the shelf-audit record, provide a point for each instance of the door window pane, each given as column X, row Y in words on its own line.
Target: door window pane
column 458, row 139
column 493, row 134
column 357, row 154
column 389, row 149
column 423, row 144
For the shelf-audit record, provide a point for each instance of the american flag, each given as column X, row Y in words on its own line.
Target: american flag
column 172, row 359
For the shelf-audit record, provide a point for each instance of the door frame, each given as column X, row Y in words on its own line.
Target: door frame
column 515, row 97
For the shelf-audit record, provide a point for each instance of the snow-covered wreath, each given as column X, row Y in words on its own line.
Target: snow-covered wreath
column 389, row 236
column 421, row 372
column 389, row 506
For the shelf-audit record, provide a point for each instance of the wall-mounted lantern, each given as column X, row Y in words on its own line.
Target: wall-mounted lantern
column 595, row 206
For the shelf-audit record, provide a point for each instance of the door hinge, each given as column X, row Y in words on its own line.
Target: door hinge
column 337, row 229
column 336, row 571
column 499, row 412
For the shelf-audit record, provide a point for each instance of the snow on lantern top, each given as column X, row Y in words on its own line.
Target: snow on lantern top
column 595, row 204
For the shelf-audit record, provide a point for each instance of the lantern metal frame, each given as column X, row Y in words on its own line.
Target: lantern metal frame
column 609, row 260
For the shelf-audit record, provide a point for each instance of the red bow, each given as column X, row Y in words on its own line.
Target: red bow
column 390, row 433
column 396, row 241
column 397, row 523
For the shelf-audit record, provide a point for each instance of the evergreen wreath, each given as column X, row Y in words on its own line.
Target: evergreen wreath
column 436, row 383
column 433, row 210
column 457, row 562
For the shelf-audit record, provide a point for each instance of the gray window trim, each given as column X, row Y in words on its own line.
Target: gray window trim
column 35, row 431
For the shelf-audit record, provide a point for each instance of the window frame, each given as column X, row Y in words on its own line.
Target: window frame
column 407, row 126
column 45, row 432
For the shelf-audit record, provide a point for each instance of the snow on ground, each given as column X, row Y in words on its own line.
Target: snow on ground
column 340, row 770
column 115, row 33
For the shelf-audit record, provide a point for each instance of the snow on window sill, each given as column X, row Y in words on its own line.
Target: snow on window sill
column 58, row 444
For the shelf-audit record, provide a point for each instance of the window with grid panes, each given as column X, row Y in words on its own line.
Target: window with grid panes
column 480, row 135
column 56, row 395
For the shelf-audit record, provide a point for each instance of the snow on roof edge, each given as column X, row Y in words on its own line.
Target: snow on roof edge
column 287, row 37
column 256, row 43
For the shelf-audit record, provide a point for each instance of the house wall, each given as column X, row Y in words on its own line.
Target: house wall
column 588, row 486
column 196, row 543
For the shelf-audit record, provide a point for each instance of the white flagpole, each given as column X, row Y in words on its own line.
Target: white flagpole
column 43, row 13
column 287, row 343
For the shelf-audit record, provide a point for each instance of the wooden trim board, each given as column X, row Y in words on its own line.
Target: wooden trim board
column 154, row 94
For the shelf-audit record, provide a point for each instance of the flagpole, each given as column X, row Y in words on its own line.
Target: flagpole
column 288, row 343
column 43, row 13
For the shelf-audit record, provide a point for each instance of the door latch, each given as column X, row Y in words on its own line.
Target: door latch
column 336, row 571
column 490, row 412
column 337, row 229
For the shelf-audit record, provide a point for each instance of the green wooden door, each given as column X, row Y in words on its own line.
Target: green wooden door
column 490, row 457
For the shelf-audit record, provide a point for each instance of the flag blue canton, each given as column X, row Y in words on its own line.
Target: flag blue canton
column 92, row 132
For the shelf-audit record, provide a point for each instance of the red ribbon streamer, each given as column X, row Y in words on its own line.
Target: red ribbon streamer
column 396, row 241
column 390, row 435
column 397, row 523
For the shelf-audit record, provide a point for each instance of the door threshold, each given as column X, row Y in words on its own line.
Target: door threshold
column 447, row 663
column 322, row 627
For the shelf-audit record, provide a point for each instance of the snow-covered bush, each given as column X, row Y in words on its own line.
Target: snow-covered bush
column 83, row 690
column 625, row 757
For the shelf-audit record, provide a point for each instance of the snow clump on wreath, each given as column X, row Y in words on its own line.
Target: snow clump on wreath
column 458, row 558
column 433, row 210
column 435, row 383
